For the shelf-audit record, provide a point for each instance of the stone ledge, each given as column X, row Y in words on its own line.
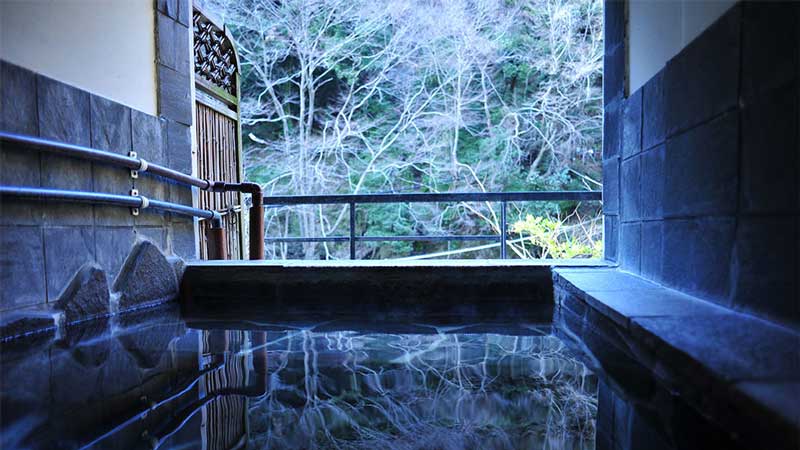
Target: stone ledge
column 359, row 289
column 735, row 368
column 392, row 263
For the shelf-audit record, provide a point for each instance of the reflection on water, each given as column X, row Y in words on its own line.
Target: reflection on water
column 150, row 381
column 351, row 390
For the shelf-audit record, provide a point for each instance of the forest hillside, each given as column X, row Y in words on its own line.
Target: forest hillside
column 377, row 96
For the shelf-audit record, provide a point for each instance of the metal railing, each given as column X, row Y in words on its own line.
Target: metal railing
column 352, row 200
column 139, row 165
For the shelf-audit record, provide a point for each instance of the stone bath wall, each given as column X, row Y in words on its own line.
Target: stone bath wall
column 147, row 278
column 42, row 245
column 701, row 164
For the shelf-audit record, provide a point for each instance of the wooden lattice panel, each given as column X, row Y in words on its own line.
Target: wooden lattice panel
column 214, row 57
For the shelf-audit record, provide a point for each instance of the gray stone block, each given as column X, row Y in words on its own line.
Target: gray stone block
column 145, row 278
column 702, row 170
column 614, row 12
column 18, row 100
column 64, row 115
column 731, row 346
column 610, row 237
column 66, row 173
column 652, row 186
column 55, row 213
column 770, row 45
column 22, row 274
column 86, row 296
column 630, row 189
column 168, row 7
column 173, row 44
column 697, row 256
column 696, row 91
column 612, row 130
column 179, row 147
column 182, row 195
column 64, row 112
column 769, row 152
column 175, row 95
column 185, row 12
column 111, row 131
column 630, row 247
column 652, row 250
column 764, row 271
column 627, row 304
column 151, row 217
column 111, row 125
column 614, row 74
column 20, row 212
column 601, row 279
column 66, row 250
column 149, row 135
column 611, row 186
column 113, row 245
column 156, row 235
column 653, row 112
column 182, row 239
column 632, row 125
column 19, row 166
column 106, row 215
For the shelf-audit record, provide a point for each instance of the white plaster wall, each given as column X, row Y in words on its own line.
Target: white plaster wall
column 106, row 47
column 659, row 29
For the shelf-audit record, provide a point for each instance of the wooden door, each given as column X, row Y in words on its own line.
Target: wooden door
column 217, row 127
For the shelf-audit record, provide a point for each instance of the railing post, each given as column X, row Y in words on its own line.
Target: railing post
column 352, row 230
column 503, row 230
column 257, row 228
column 215, row 234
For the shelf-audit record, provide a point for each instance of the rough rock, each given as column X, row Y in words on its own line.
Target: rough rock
column 86, row 296
column 178, row 266
column 26, row 321
column 146, row 278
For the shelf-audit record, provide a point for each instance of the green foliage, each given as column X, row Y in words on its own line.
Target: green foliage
column 552, row 238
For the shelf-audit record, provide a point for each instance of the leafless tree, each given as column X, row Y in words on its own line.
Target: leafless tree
column 391, row 95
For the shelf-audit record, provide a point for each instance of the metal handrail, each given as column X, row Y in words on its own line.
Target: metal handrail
column 93, row 154
column 352, row 200
column 431, row 197
column 141, row 165
column 128, row 201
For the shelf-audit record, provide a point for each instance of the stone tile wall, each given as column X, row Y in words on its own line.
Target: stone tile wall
column 701, row 164
column 43, row 245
